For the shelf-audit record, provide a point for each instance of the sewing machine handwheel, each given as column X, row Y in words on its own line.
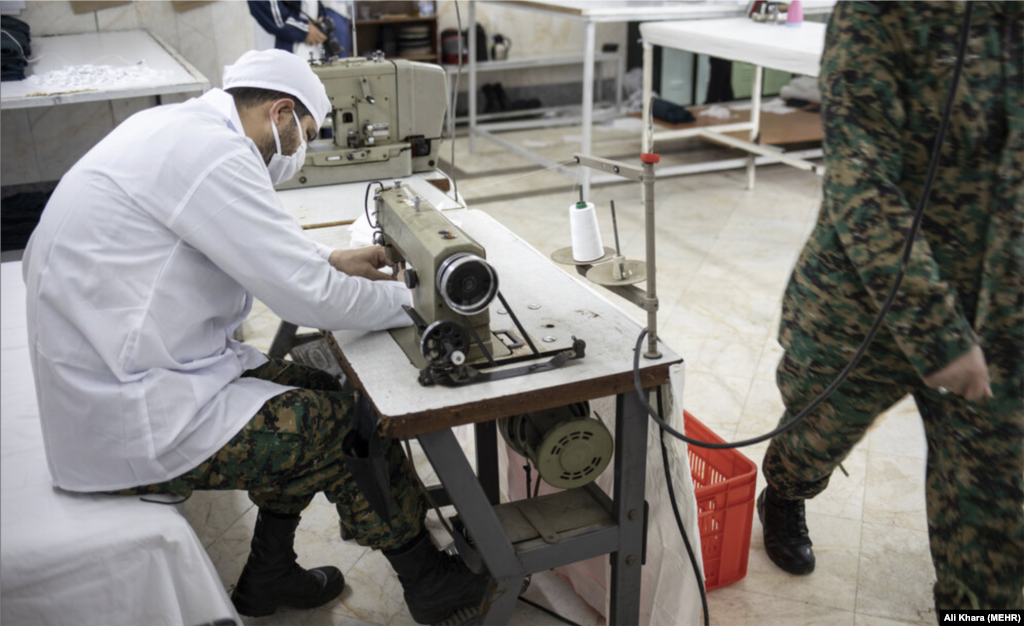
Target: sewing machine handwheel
column 467, row 283
column 444, row 341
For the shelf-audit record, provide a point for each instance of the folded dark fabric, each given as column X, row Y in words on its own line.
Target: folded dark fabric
column 14, row 48
column 671, row 113
column 19, row 31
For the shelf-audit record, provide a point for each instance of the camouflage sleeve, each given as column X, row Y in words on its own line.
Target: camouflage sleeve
column 864, row 119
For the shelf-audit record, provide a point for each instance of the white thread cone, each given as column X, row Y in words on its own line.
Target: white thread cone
column 586, row 236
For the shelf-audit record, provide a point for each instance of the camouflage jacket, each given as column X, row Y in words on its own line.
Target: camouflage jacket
column 885, row 74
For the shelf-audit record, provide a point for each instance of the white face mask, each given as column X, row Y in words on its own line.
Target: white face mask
column 282, row 167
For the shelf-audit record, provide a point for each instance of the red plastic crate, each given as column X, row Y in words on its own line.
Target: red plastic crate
column 724, row 482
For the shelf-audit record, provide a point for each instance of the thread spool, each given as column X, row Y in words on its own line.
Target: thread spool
column 586, row 236
column 795, row 14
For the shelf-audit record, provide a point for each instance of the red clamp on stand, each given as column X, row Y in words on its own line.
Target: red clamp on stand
column 649, row 157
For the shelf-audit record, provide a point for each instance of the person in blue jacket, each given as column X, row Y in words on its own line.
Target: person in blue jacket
column 294, row 25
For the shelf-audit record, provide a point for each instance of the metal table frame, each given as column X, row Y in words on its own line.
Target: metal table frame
column 759, row 154
column 625, row 541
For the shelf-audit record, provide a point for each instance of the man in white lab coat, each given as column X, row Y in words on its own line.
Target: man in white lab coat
column 146, row 259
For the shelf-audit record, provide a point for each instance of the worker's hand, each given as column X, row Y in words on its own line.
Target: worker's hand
column 364, row 262
column 315, row 36
column 967, row 376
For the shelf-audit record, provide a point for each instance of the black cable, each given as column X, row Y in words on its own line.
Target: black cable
column 548, row 611
column 366, row 201
column 876, row 325
column 455, row 96
column 679, row 521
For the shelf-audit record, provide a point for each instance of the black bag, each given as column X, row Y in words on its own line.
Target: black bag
column 450, row 45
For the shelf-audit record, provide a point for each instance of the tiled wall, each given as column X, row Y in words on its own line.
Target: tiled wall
column 535, row 34
column 42, row 144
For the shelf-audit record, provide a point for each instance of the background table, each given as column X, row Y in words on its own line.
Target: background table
column 115, row 48
column 592, row 13
column 791, row 49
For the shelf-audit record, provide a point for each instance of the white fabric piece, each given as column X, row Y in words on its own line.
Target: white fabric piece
column 796, row 50
column 777, row 106
column 88, row 76
column 84, row 558
column 803, row 88
column 669, row 591
column 280, row 71
column 717, row 111
column 146, row 259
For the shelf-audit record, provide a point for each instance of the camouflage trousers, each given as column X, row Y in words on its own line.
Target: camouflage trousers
column 974, row 484
column 291, row 450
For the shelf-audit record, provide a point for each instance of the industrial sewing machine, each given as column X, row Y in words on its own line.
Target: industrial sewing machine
column 385, row 122
column 454, row 342
column 453, row 338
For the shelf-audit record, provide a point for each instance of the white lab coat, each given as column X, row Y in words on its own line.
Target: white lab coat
column 146, row 259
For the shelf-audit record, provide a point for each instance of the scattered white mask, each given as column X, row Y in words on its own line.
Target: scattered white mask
column 282, row 167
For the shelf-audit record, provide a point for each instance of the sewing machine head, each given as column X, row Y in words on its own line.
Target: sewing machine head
column 386, row 121
column 452, row 283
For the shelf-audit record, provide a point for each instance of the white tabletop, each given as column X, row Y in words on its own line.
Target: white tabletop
column 565, row 308
column 794, row 49
column 332, row 205
column 643, row 10
column 148, row 67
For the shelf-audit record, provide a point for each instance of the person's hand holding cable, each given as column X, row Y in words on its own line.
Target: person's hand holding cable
column 966, row 376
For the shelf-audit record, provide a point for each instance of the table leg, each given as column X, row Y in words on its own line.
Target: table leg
column 646, row 145
column 472, row 78
column 628, row 508
column 475, row 510
column 755, row 121
column 487, row 460
column 618, row 85
column 588, row 99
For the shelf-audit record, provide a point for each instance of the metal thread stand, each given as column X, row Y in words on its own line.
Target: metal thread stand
column 646, row 299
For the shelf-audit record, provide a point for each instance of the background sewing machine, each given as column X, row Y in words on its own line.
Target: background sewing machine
column 385, row 122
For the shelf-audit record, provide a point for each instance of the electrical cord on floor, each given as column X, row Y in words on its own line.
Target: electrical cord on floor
column 548, row 611
column 877, row 323
column 679, row 521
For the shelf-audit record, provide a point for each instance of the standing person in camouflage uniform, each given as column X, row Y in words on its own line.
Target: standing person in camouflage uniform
column 146, row 259
column 954, row 337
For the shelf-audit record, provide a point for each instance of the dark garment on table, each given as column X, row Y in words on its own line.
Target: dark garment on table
column 15, row 48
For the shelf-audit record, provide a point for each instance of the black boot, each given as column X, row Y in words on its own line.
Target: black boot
column 437, row 585
column 272, row 578
column 785, row 532
column 504, row 104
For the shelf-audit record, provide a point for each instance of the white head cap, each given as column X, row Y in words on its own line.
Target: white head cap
column 278, row 70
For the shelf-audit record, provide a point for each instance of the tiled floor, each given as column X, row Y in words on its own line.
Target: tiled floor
column 724, row 254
